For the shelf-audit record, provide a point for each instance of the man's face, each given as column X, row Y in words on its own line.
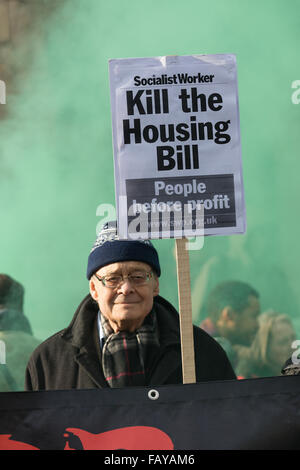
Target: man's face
column 126, row 305
column 240, row 327
column 246, row 323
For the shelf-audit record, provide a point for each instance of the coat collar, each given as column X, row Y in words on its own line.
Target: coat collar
column 82, row 335
column 80, row 330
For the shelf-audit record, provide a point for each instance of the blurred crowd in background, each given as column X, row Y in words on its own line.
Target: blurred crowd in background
column 258, row 344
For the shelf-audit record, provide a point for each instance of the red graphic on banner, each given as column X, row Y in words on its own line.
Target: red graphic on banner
column 129, row 438
column 6, row 443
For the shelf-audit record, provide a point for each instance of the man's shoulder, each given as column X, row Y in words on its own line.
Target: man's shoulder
column 68, row 336
column 53, row 344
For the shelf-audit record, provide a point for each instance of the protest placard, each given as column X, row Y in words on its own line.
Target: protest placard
column 177, row 158
column 177, row 153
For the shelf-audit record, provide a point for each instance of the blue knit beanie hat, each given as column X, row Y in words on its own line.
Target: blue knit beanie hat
column 109, row 249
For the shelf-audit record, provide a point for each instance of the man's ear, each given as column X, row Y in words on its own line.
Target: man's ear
column 227, row 316
column 93, row 291
column 156, row 286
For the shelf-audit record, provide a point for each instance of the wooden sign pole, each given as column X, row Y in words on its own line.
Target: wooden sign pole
column 185, row 311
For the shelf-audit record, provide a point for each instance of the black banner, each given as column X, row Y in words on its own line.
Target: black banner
column 247, row 414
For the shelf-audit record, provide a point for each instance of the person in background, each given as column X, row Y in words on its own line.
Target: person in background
column 232, row 309
column 123, row 333
column 17, row 340
column 12, row 316
column 291, row 367
column 270, row 348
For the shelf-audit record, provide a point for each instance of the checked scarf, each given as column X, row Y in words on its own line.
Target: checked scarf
column 126, row 357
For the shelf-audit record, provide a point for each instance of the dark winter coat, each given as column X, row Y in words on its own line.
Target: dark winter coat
column 72, row 357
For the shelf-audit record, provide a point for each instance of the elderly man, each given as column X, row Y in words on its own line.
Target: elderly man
column 123, row 333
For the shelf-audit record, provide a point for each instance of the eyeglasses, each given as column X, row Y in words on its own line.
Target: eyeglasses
column 136, row 279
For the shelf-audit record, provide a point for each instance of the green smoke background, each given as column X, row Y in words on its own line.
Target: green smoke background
column 56, row 161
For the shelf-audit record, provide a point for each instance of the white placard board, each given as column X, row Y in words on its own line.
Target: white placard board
column 176, row 141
